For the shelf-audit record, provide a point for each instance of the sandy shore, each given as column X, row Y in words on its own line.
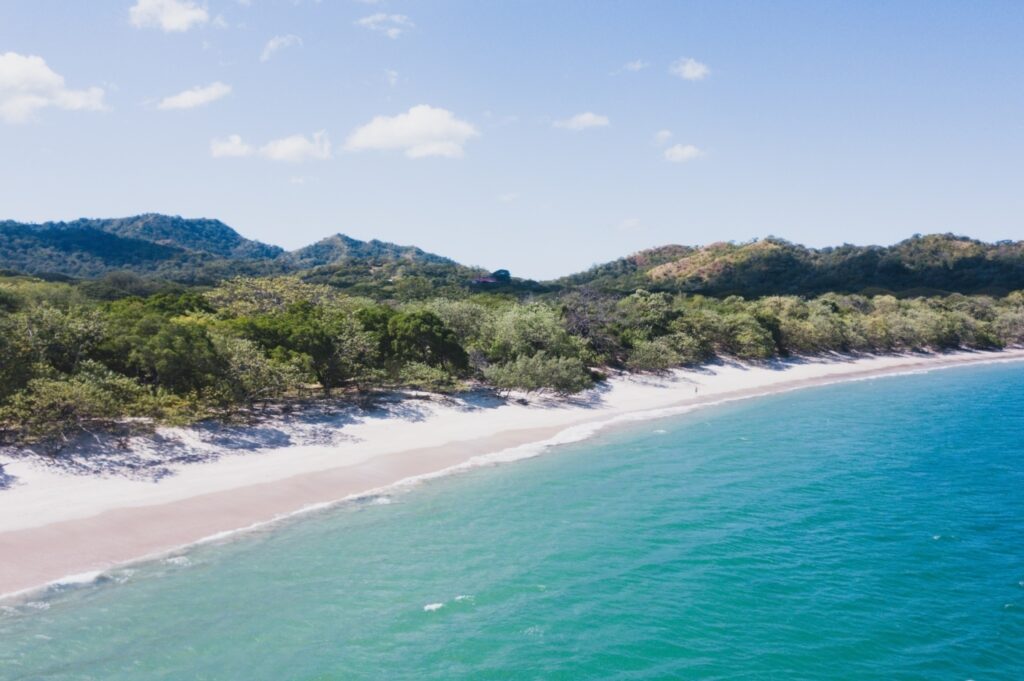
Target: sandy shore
column 54, row 524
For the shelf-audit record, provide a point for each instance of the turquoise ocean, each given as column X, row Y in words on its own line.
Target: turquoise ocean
column 864, row 530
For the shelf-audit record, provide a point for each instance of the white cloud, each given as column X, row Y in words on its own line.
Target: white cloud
column 662, row 137
column 392, row 77
column 168, row 15
column 28, row 84
column 632, row 66
column 391, row 25
column 298, row 148
column 197, row 96
column 509, row 197
column 689, row 69
column 421, row 131
column 293, row 149
column 680, row 153
column 231, row 146
column 279, row 42
column 630, row 224
column 583, row 121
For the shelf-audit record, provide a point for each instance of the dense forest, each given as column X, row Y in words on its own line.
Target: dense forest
column 124, row 348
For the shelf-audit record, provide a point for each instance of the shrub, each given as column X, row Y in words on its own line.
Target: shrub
column 560, row 375
column 656, row 355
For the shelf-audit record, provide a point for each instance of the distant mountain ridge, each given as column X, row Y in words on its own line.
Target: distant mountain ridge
column 340, row 248
column 930, row 263
column 204, row 251
column 178, row 249
column 205, row 235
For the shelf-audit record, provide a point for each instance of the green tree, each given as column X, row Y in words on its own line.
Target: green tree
column 653, row 355
column 335, row 344
column 252, row 376
column 52, row 410
column 560, row 375
column 420, row 336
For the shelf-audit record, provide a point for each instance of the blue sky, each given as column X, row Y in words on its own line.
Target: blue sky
column 522, row 135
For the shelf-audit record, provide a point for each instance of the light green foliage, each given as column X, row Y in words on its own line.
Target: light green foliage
column 466, row 319
column 645, row 315
column 252, row 376
column 654, row 355
column 539, row 372
column 18, row 359
column 61, row 338
column 524, row 330
column 745, row 338
column 53, row 409
column 248, row 296
column 420, row 376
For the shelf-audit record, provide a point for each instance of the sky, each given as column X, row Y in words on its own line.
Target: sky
column 539, row 136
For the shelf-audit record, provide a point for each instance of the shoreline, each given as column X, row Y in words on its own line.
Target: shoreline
column 107, row 522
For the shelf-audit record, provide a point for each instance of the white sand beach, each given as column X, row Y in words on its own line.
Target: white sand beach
column 55, row 522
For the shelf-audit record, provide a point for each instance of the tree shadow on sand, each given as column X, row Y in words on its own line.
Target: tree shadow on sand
column 155, row 455
column 6, row 479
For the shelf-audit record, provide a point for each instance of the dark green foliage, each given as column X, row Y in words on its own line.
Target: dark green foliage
column 422, row 337
column 331, row 343
column 160, row 351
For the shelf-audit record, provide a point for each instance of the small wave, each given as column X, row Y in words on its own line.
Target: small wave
column 122, row 576
column 464, row 597
column 180, row 561
column 431, row 607
column 77, row 580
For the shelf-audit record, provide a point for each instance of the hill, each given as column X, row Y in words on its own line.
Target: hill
column 198, row 251
column 934, row 263
column 205, row 251
column 203, row 235
column 172, row 248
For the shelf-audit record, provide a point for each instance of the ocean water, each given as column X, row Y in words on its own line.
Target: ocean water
column 868, row 530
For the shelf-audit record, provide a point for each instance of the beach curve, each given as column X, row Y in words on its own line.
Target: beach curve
column 108, row 522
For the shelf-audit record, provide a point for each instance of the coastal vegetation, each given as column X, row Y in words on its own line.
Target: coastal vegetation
column 120, row 325
column 124, row 355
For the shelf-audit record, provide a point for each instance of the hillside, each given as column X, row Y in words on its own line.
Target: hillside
column 923, row 264
column 207, row 236
column 198, row 251
column 204, row 251
column 172, row 248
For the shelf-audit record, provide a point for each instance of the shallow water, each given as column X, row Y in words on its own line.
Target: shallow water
column 864, row 530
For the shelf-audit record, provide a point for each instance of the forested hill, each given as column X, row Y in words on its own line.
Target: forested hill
column 937, row 263
column 193, row 251
column 205, row 252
